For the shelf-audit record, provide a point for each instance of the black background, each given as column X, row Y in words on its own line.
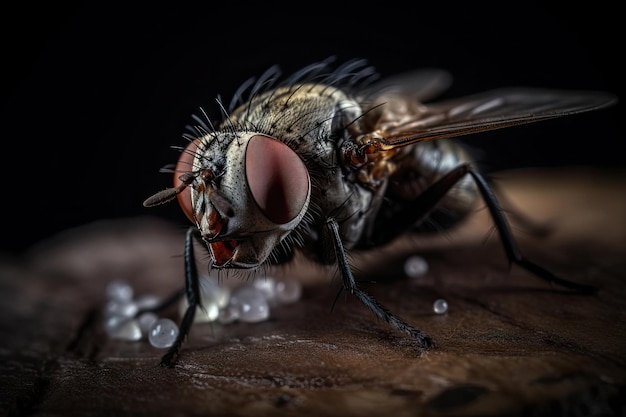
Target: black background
column 95, row 94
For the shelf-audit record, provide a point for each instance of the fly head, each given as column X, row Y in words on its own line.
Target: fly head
column 244, row 191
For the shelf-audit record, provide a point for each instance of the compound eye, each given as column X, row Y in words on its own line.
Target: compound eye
column 277, row 177
column 185, row 164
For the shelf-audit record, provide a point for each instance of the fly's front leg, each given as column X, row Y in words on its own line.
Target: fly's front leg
column 335, row 244
column 192, row 290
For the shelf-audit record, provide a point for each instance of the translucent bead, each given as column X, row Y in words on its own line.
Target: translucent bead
column 267, row 287
column 415, row 266
column 228, row 314
column 112, row 324
column 119, row 290
column 440, row 306
column 213, row 292
column 288, row 291
column 146, row 320
column 147, row 301
column 117, row 327
column 205, row 314
column 251, row 305
column 212, row 296
column 163, row 333
column 120, row 308
column 208, row 313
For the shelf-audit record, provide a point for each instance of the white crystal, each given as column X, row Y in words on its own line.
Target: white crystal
column 120, row 308
column 213, row 292
column 147, row 301
column 228, row 314
column 267, row 287
column 146, row 320
column 163, row 333
column 415, row 266
column 288, row 291
column 208, row 313
column 123, row 328
column 440, row 306
column 251, row 305
column 119, row 290
column 212, row 297
column 112, row 324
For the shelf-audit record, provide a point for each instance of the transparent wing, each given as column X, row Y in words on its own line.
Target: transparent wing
column 495, row 109
column 419, row 85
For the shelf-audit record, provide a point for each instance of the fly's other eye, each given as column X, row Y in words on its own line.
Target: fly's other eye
column 185, row 164
column 277, row 177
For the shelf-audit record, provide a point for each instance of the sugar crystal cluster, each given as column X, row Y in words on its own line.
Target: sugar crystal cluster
column 249, row 303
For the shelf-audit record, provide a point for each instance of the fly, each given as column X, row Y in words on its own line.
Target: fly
column 332, row 159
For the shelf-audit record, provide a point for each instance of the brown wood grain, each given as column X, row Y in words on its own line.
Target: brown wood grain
column 510, row 344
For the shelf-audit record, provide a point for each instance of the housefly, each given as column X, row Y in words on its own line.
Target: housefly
column 331, row 159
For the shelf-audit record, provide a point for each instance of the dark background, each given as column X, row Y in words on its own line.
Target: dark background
column 94, row 95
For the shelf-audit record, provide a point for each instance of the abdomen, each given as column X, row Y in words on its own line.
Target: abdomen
column 419, row 168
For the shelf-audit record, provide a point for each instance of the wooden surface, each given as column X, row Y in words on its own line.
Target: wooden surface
column 509, row 344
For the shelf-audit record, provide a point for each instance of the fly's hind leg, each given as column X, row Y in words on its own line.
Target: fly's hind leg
column 420, row 207
column 510, row 245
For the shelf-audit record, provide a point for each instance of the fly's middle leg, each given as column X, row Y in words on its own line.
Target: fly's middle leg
column 335, row 245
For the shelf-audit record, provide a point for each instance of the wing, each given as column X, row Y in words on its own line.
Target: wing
column 419, row 85
column 495, row 109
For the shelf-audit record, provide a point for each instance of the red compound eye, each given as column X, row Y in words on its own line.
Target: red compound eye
column 185, row 164
column 277, row 177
